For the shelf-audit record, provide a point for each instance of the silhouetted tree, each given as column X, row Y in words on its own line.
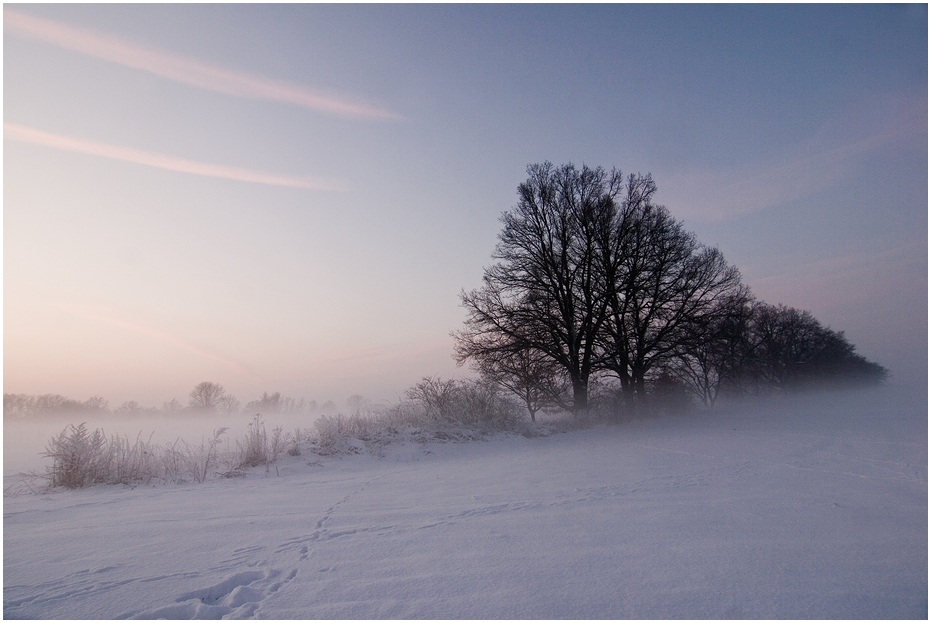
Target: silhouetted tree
column 18, row 405
column 96, row 403
column 592, row 277
column 173, row 406
column 838, row 361
column 791, row 349
column 268, row 403
column 664, row 288
column 531, row 376
column 784, row 341
column 130, row 407
column 55, row 403
column 228, row 404
column 717, row 353
column 543, row 293
column 21, row 405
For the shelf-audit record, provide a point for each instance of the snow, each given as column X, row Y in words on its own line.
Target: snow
column 799, row 507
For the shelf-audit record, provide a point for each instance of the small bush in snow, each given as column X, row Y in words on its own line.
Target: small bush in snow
column 331, row 429
column 295, row 448
column 464, row 402
column 253, row 450
column 444, row 410
column 208, row 454
column 260, row 448
column 79, row 457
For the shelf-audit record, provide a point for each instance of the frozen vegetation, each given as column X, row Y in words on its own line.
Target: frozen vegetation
column 805, row 506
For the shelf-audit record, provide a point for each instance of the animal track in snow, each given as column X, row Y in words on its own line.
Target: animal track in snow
column 240, row 556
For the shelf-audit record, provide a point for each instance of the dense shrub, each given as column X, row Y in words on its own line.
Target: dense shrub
column 471, row 401
column 331, row 430
column 434, row 406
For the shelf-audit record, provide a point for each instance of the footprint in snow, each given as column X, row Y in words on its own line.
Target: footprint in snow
column 236, row 597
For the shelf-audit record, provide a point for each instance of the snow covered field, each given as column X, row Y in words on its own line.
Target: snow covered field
column 801, row 507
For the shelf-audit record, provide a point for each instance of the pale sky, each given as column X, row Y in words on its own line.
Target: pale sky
column 291, row 197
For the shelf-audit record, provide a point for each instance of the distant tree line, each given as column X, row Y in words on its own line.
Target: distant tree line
column 206, row 397
column 594, row 282
column 21, row 405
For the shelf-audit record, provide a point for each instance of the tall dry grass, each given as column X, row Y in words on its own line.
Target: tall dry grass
column 437, row 409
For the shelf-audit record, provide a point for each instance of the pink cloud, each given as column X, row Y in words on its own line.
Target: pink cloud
column 185, row 70
column 23, row 134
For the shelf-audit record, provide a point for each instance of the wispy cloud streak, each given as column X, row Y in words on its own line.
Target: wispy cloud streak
column 24, row 134
column 185, row 70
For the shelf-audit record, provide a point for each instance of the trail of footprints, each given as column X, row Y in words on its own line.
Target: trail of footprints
column 252, row 579
column 241, row 594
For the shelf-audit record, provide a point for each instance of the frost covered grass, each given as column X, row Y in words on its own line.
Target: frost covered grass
column 81, row 458
column 435, row 409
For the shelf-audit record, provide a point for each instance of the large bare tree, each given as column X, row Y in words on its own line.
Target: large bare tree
column 544, row 294
column 591, row 276
column 662, row 286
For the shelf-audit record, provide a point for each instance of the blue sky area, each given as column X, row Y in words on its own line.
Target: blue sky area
column 291, row 197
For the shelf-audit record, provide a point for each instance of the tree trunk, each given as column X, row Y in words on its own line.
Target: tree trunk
column 641, row 388
column 627, row 392
column 579, row 395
